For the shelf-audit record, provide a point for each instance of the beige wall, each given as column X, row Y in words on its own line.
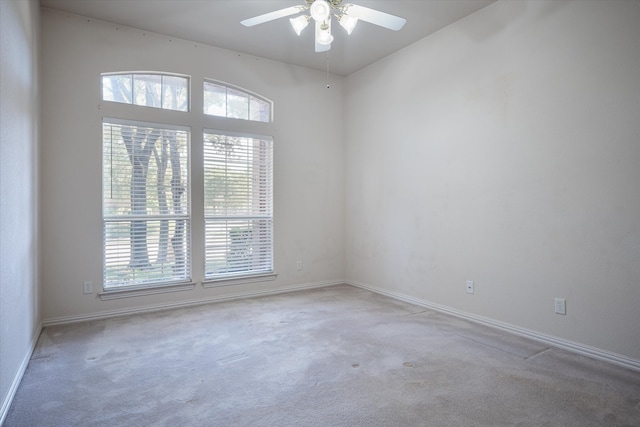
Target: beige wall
column 19, row 307
column 308, row 158
column 502, row 149
column 505, row 149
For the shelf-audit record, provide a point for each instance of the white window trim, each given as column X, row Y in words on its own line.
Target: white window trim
column 178, row 121
column 239, row 280
column 111, row 294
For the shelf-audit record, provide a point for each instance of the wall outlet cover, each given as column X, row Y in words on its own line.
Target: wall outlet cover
column 87, row 287
column 560, row 306
column 469, row 286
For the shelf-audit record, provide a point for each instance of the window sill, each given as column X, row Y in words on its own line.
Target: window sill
column 135, row 292
column 228, row 281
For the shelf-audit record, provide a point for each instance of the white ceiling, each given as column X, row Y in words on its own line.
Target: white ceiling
column 217, row 23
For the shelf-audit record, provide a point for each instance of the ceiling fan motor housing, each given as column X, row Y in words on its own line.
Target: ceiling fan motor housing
column 333, row 3
column 320, row 10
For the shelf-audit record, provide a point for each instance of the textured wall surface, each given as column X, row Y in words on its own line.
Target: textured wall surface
column 504, row 149
column 19, row 311
column 308, row 157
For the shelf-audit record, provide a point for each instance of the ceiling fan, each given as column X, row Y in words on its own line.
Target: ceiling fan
column 320, row 11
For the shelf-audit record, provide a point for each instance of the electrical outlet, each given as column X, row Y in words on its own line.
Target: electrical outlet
column 299, row 266
column 469, row 286
column 561, row 306
column 88, row 287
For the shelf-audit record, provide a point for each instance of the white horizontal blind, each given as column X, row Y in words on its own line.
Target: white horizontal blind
column 146, row 204
column 238, row 204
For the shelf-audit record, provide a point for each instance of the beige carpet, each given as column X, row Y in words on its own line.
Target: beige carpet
column 337, row 356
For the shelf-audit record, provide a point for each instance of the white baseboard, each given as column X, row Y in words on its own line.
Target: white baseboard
column 574, row 347
column 187, row 303
column 571, row 346
column 6, row 403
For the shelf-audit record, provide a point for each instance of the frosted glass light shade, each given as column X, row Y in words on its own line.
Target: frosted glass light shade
column 348, row 22
column 325, row 37
column 323, row 33
column 299, row 23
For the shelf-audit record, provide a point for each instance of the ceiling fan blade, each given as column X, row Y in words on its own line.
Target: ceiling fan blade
column 376, row 17
column 261, row 19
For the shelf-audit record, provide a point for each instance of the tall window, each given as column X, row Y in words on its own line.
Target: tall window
column 146, row 206
column 146, row 185
column 238, row 203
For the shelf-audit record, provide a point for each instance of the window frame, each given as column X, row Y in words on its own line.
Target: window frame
column 196, row 123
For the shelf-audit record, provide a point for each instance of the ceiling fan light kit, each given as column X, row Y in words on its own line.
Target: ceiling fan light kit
column 320, row 11
column 323, row 35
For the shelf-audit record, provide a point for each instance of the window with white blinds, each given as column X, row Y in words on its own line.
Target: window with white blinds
column 146, row 204
column 238, row 204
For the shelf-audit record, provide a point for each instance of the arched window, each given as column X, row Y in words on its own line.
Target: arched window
column 146, row 193
column 223, row 100
column 238, row 187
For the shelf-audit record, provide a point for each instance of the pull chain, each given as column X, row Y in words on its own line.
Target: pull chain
column 328, row 86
